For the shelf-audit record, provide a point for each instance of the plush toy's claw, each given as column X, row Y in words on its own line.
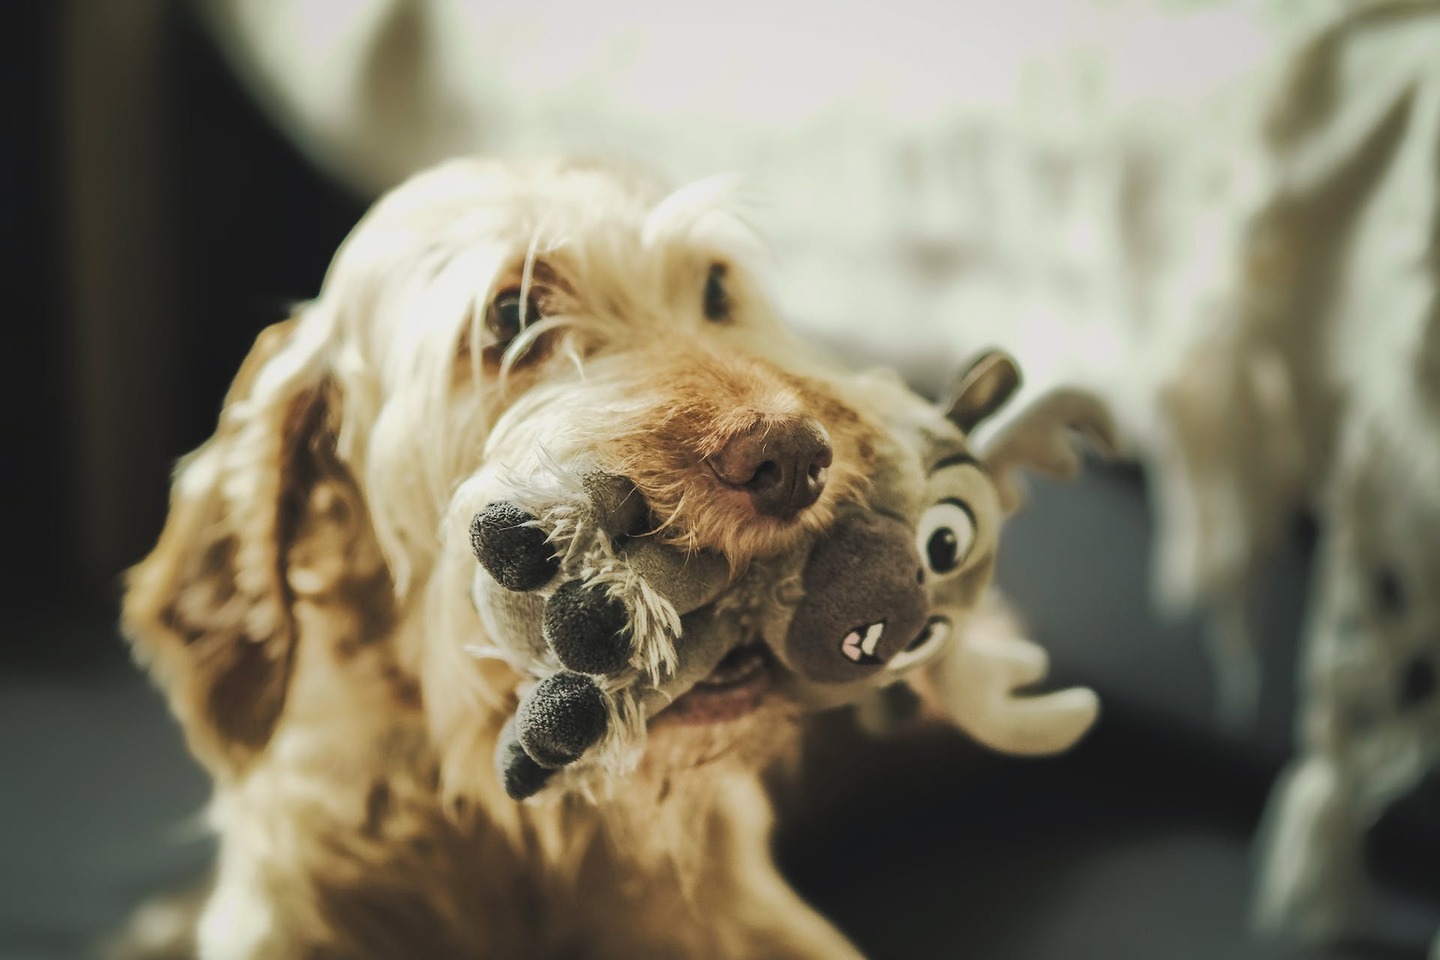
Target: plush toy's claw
column 511, row 548
column 586, row 628
column 521, row 776
column 561, row 718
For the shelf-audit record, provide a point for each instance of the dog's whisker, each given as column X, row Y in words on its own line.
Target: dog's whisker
column 527, row 276
column 571, row 353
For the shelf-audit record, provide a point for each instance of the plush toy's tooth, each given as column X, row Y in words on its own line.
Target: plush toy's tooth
column 860, row 647
column 873, row 633
column 511, row 548
column 521, row 776
column 561, row 718
column 585, row 628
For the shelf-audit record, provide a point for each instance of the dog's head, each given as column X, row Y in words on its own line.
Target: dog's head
column 314, row 561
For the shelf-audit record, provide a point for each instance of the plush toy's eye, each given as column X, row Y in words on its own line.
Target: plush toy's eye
column 931, row 639
column 510, row 312
column 717, row 296
column 945, row 536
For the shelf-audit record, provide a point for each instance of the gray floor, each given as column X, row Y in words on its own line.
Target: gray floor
column 99, row 804
column 1114, row 852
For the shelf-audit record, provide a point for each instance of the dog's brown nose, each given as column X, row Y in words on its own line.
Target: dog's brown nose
column 780, row 463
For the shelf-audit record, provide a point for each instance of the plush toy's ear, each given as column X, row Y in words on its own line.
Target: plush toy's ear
column 257, row 517
column 1042, row 438
column 983, row 389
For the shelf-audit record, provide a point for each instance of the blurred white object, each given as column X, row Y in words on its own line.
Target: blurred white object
column 1318, row 388
column 1324, row 304
column 1369, row 723
column 1342, row 271
column 1050, row 176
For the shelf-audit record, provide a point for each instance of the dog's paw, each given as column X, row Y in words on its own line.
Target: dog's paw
column 512, row 546
column 565, row 715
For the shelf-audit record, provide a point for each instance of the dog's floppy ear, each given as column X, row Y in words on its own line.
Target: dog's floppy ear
column 1042, row 438
column 989, row 381
column 210, row 608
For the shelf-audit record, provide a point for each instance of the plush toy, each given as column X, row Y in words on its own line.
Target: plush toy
column 613, row 625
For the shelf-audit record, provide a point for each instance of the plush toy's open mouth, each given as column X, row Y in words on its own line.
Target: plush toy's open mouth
column 859, row 645
column 735, row 687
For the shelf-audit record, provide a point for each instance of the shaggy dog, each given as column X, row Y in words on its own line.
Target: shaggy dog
column 307, row 607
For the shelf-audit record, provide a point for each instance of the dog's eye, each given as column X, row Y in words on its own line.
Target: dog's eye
column 510, row 312
column 717, row 297
column 945, row 536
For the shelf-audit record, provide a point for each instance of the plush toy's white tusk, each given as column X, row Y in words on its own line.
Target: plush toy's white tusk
column 1016, row 658
column 1040, row 725
column 978, row 681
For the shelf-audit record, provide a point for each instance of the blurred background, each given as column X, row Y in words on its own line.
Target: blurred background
column 1080, row 181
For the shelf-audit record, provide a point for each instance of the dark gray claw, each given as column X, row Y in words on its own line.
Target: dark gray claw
column 511, row 549
column 521, row 776
column 561, row 718
column 585, row 628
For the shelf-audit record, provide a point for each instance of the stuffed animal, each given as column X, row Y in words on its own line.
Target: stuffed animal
column 613, row 624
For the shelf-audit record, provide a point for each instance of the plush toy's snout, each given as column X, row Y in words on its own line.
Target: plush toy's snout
column 864, row 602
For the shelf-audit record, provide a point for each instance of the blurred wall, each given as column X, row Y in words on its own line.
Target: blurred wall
column 33, row 401
column 153, row 223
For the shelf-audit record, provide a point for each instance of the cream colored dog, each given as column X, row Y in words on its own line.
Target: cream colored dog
column 307, row 608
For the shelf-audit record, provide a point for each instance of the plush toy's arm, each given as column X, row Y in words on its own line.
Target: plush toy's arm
column 978, row 683
column 576, row 591
column 613, row 594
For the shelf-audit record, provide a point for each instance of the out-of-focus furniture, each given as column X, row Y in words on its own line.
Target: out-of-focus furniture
column 187, row 224
column 123, row 301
